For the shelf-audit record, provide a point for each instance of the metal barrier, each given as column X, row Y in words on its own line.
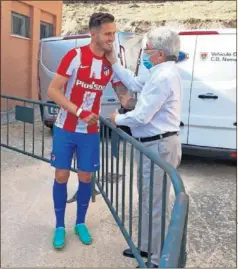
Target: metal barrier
column 115, row 180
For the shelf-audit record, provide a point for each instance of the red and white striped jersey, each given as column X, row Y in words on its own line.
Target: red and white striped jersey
column 88, row 76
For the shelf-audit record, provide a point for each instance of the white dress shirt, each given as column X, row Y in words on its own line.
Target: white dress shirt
column 158, row 107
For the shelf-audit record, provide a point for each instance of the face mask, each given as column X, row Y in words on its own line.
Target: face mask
column 146, row 61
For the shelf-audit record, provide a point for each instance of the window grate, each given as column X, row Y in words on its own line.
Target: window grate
column 46, row 30
column 20, row 25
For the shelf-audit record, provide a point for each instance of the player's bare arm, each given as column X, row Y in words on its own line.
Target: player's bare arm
column 55, row 93
column 124, row 97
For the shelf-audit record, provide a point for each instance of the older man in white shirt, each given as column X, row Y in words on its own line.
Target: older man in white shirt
column 154, row 121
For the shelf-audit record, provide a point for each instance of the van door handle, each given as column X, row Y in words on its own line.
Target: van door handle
column 234, row 124
column 111, row 100
column 207, row 96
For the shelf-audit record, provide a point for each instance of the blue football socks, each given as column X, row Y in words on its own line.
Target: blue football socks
column 60, row 199
column 83, row 198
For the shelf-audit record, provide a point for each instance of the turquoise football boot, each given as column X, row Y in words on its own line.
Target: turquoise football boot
column 59, row 238
column 82, row 231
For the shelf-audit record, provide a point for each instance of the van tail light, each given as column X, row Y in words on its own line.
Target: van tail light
column 120, row 55
column 138, row 63
column 234, row 154
column 39, row 88
column 199, row 33
column 123, row 56
column 38, row 75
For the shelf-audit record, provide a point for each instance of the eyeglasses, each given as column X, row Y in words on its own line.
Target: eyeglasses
column 151, row 51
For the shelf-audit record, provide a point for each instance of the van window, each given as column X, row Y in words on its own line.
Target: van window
column 53, row 52
column 132, row 45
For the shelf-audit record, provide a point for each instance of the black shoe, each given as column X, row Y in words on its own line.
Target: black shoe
column 128, row 253
column 73, row 199
column 152, row 265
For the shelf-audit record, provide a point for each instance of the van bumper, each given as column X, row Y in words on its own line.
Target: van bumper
column 48, row 114
column 209, row 152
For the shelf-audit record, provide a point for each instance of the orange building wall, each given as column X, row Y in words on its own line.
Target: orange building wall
column 19, row 54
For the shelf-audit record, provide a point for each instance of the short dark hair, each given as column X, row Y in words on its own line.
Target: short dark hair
column 97, row 19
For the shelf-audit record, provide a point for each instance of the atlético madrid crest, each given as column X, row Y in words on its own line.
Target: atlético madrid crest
column 53, row 157
column 106, row 70
column 203, row 55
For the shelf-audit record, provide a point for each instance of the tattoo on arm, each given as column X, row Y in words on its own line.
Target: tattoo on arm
column 121, row 91
column 124, row 97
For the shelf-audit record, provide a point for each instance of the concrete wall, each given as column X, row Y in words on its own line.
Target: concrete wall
column 19, row 54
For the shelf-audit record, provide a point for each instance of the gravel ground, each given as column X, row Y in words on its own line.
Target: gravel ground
column 27, row 218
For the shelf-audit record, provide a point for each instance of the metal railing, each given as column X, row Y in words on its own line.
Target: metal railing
column 23, row 131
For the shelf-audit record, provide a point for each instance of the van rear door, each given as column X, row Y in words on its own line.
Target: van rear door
column 185, row 65
column 212, row 119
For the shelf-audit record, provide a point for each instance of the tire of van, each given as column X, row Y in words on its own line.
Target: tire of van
column 48, row 124
column 41, row 112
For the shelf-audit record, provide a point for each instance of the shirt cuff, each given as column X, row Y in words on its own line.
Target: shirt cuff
column 116, row 67
column 119, row 119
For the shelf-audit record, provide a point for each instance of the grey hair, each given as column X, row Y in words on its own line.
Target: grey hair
column 164, row 39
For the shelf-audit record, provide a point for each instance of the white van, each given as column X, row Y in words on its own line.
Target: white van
column 207, row 63
column 208, row 71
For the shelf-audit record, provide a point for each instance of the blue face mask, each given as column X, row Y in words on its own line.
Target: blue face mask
column 146, row 61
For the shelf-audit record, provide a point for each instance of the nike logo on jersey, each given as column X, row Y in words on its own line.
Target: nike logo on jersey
column 83, row 66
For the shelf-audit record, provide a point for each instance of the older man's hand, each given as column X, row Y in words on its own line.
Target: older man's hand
column 111, row 56
column 113, row 116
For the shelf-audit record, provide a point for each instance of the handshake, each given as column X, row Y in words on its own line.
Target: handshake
column 91, row 118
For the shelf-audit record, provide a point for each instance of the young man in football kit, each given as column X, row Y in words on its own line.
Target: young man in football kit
column 83, row 73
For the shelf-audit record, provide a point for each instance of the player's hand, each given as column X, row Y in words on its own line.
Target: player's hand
column 91, row 119
column 113, row 116
column 111, row 56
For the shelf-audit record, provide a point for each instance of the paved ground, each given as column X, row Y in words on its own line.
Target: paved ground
column 211, row 186
column 27, row 218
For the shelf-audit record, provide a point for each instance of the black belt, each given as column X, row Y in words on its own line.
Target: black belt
column 155, row 137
